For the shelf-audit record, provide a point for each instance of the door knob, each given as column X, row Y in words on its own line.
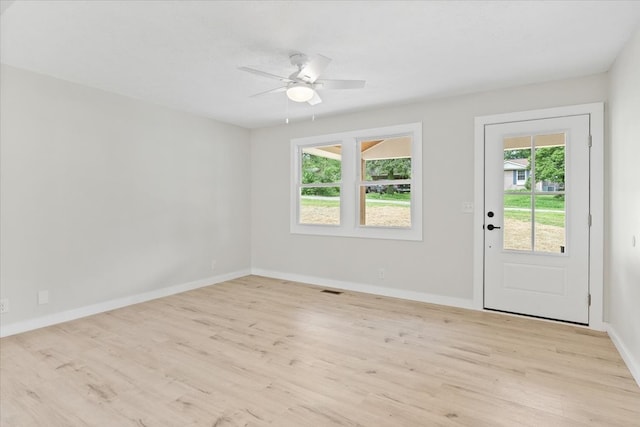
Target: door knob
column 491, row 227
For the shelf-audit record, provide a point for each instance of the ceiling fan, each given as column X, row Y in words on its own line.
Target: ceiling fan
column 302, row 85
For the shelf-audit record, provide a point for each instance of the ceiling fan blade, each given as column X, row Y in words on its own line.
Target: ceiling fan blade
column 276, row 90
column 264, row 74
column 315, row 100
column 339, row 84
column 312, row 70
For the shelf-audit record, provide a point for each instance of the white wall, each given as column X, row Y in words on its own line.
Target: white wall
column 622, row 274
column 441, row 265
column 105, row 197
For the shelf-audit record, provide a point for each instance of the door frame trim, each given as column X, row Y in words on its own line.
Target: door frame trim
column 596, row 200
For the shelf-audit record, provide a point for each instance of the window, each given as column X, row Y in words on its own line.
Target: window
column 521, row 176
column 385, row 182
column 360, row 184
column 320, row 174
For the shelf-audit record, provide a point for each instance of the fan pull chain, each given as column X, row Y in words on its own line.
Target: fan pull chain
column 286, row 120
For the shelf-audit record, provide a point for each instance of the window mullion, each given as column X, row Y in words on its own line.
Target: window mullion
column 349, row 175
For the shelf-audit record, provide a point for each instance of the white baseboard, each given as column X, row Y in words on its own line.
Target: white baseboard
column 632, row 363
column 368, row 289
column 76, row 313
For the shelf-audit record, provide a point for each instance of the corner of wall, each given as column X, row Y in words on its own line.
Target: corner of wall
column 632, row 362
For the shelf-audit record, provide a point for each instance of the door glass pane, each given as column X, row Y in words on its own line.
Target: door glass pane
column 517, row 222
column 517, row 213
column 320, row 205
column 534, row 213
column 549, row 193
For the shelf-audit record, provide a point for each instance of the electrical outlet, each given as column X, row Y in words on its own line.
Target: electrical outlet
column 43, row 297
column 214, row 264
column 381, row 274
column 4, row 305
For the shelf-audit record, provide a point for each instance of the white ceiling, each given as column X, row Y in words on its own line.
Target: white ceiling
column 185, row 54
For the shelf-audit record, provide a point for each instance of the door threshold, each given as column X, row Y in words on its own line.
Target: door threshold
column 548, row 319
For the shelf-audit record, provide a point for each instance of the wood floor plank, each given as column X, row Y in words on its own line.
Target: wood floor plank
column 257, row 352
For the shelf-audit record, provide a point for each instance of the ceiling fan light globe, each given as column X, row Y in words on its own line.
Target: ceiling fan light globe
column 300, row 93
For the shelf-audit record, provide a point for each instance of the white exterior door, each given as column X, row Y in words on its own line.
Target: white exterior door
column 536, row 232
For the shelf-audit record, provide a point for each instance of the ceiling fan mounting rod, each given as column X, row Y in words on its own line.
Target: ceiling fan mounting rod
column 299, row 60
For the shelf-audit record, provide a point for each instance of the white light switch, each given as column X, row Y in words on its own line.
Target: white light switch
column 467, row 207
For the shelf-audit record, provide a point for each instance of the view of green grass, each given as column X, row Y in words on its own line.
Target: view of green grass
column 325, row 203
column 542, row 202
column 546, row 218
column 385, row 196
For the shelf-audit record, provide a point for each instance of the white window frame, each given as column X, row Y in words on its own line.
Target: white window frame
column 350, row 184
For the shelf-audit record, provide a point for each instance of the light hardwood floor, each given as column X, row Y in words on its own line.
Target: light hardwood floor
column 258, row 351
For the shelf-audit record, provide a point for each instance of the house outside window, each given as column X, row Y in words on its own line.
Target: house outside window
column 364, row 183
column 516, row 173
